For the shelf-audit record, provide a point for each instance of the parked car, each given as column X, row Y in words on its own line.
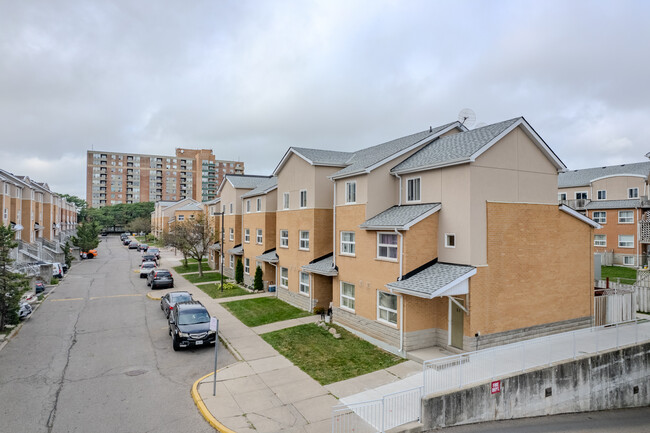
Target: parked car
column 146, row 268
column 149, row 258
column 154, row 250
column 143, row 247
column 168, row 301
column 57, row 270
column 189, row 325
column 160, row 278
column 39, row 287
column 25, row 310
column 133, row 245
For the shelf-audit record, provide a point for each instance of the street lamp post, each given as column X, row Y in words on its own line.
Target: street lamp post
column 222, row 239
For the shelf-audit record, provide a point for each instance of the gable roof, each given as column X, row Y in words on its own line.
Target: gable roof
column 614, row 204
column 264, row 187
column 438, row 279
column 322, row 266
column 400, row 217
column 331, row 158
column 466, row 146
column 190, row 207
column 585, row 176
column 242, row 181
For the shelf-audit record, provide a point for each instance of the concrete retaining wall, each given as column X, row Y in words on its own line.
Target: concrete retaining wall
column 295, row 299
column 611, row 380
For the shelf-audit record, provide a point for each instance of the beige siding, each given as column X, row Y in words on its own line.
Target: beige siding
column 617, row 187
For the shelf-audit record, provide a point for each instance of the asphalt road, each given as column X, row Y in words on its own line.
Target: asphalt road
column 96, row 357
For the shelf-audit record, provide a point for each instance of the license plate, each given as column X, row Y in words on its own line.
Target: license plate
column 198, row 342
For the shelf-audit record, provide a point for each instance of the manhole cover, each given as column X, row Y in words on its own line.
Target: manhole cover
column 135, row 372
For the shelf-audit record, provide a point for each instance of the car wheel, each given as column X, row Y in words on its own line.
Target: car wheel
column 175, row 343
column 172, row 286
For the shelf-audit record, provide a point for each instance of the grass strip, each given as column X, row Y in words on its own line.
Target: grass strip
column 207, row 277
column 229, row 290
column 256, row 312
column 192, row 267
column 627, row 275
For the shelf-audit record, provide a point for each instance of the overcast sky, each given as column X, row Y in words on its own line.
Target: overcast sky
column 251, row 78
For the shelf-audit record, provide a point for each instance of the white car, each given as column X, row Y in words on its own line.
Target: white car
column 57, row 270
column 146, row 268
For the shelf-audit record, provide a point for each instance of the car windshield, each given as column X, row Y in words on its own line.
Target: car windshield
column 193, row 317
column 162, row 275
column 148, row 265
column 181, row 298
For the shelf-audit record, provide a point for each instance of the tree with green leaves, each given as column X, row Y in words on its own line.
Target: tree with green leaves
column 139, row 225
column 178, row 237
column 81, row 204
column 258, row 284
column 239, row 272
column 200, row 237
column 67, row 255
column 87, row 236
column 12, row 284
column 120, row 215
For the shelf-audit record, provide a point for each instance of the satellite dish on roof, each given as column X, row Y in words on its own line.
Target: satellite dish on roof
column 467, row 117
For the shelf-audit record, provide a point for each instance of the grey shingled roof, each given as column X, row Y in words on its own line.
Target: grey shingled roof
column 399, row 217
column 324, row 157
column 265, row 186
column 454, row 147
column 238, row 251
column 190, row 206
column 323, row 267
column 365, row 158
column 613, row 204
column 433, row 278
column 585, row 176
column 269, row 257
column 246, row 181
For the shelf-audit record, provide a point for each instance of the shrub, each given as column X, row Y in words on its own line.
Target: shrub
column 258, row 284
column 54, row 281
column 239, row 272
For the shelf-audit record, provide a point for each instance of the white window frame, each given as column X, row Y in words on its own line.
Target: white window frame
column 633, row 193
column 232, row 261
column 600, row 240
column 284, row 279
column 351, row 192
column 561, row 196
column 449, row 236
column 5, row 214
column 350, row 244
column 286, row 202
column 303, row 194
column 258, row 205
column 247, row 266
column 259, row 236
column 347, row 298
column 624, row 220
column 247, row 236
column 628, row 260
column 602, row 196
column 284, row 240
column 388, row 246
column 582, row 192
column 416, row 197
column 303, row 288
column 248, row 206
column 626, row 243
column 231, row 234
column 600, row 219
column 181, row 217
column 388, row 310
column 303, row 242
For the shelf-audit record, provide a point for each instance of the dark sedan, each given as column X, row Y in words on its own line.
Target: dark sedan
column 168, row 301
column 133, row 245
column 160, row 278
column 189, row 325
column 149, row 258
column 155, row 251
column 143, row 247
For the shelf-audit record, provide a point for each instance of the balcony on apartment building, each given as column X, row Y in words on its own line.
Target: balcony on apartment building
column 579, row 204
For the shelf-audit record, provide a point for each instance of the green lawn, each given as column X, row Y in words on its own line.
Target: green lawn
column 206, row 278
column 214, row 290
column 192, row 267
column 255, row 312
column 627, row 275
column 325, row 358
column 154, row 243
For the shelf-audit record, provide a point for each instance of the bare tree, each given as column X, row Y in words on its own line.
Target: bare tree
column 200, row 235
column 177, row 237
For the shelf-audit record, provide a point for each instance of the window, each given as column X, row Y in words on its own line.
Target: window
column 303, row 198
column 247, row 266
column 304, row 283
column 387, row 246
column 248, row 206
column 626, row 241
column 304, row 240
column 633, row 193
column 232, row 234
column 602, row 194
column 625, row 217
column 351, row 192
column 247, row 235
column 628, row 260
column 347, row 296
column 286, row 200
column 232, row 261
column 347, row 243
column 581, row 196
column 5, row 214
column 258, row 238
column 284, row 277
column 413, row 189
column 259, row 205
column 600, row 240
column 561, row 196
column 387, row 307
column 181, row 217
column 284, row 238
column 600, row 217
column 450, row 240
column 230, row 207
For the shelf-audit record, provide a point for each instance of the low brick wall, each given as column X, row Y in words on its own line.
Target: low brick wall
column 295, row 299
column 611, row 380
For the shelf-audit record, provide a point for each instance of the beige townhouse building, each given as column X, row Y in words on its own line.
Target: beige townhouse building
column 166, row 212
column 616, row 197
column 449, row 237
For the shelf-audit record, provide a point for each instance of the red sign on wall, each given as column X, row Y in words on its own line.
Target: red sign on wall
column 496, row 386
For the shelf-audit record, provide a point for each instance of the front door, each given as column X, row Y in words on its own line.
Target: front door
column 457, row 316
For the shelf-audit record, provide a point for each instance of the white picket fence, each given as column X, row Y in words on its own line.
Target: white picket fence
column 641, row 291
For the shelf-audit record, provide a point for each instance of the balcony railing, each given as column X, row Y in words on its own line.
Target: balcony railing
column 577, row 204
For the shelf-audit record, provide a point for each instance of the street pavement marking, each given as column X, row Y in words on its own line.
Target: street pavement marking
column 114, row 296
column 67, row 299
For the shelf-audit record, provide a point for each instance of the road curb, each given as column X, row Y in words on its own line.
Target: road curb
column 153, row 297
column 204, row 410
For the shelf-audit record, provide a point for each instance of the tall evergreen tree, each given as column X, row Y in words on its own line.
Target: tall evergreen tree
column 239, row 272
column 87, row 236
column 11, row 284
column 258, row 284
